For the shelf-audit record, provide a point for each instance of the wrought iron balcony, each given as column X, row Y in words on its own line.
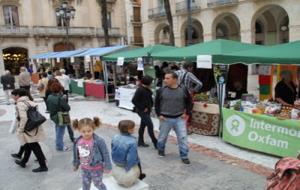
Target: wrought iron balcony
column 61, row 31
column 14, row 31
column 182, row 6
column 216, row 3
column 114, row 32
column 156, row 12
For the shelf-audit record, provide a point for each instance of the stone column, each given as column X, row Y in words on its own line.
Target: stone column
column 294, row 32
column 246, row 36
column 2, row 68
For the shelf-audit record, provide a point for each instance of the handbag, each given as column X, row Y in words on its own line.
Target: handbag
column 34, row 118
column 63, row 116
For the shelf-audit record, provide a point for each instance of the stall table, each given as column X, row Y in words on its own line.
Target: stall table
column 125, row 97
column 77, row 87
column 205, row 119
column 95, row 89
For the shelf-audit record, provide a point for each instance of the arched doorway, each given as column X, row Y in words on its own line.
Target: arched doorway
column 162, row 34
column 271, row 25
column 64, row 63
column 227, row 26
column 61, row 46
column 197, row 32
column 14, row 58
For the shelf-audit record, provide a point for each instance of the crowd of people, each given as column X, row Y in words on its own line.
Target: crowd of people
column 173, row 105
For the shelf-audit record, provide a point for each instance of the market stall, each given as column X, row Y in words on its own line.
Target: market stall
column 95, row 89
column 117, row 64
column 77, row 86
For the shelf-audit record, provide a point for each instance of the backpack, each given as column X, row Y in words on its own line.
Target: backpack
column 286, row 175
column 34, row 118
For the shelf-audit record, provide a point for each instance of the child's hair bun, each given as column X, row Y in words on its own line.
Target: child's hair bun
column 97, row 121
column 75, row 124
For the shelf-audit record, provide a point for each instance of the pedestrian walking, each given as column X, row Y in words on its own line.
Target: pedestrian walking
column 64, row 80
column 143, row 102
column 90, row 153
column 42, row 86
column 24, row 79
column 29, row 140
column 172, row 105
column 8, row 82
column 127, row 169
column 55, row 104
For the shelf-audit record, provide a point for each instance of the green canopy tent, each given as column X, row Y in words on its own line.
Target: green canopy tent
column 133, row 54
column 216, row 48
column 288, row 53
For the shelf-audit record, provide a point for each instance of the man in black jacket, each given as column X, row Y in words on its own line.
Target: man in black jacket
column 8, row 82
column 143, row 103
column 172, row 105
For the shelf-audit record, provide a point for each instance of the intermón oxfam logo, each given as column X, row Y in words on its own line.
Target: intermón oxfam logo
column 235, row 125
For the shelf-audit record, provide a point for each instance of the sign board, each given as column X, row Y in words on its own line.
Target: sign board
column 120, row 61
column 72, row 60
column 57, row 59
column 264, row 70
column 261, row 133
column 87, row 58
column 204, row 61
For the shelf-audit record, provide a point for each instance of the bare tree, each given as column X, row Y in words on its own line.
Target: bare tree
column 103, row 5
column 170, row 20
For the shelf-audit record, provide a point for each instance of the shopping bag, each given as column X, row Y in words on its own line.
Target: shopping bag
column 64, row 118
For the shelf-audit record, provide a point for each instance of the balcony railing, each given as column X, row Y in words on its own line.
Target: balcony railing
column 115, row 32
column 216, row 3
column 61, row 31
column 14, row 31
column 156, row 12
column 182, row 6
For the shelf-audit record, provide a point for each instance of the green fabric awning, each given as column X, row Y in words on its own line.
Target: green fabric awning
column 216, row 48
column 131, row 55
column 288, row 53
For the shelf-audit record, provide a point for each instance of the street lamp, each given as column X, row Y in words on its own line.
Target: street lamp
column 65, row 13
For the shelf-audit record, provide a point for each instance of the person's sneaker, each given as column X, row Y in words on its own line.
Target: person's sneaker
column 186, row 161
column 143, row 145
column 20, row 163
column 40, row 169
column 161, row 153
column 142, row 176
column 16, row 156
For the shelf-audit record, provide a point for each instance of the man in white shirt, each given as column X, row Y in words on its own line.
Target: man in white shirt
column 64, row 80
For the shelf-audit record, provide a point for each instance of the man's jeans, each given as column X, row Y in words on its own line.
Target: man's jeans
column 59, row 141
column 178, row 124
column 7, row 95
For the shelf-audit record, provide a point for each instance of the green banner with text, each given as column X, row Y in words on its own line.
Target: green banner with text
column 262, row 133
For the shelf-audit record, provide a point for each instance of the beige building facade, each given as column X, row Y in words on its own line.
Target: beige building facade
column 29, row 27
column 253, row 21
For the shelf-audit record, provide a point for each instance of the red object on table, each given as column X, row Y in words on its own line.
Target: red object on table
column 95, row 90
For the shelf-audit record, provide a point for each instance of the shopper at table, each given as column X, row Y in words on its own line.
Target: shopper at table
column 172, row 105
column 285, row 90
column 188, row 79
column 64, row 80
column 24, row 79
column 143, row 102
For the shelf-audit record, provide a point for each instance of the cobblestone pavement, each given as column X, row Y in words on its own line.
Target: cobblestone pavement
column 205, row 172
